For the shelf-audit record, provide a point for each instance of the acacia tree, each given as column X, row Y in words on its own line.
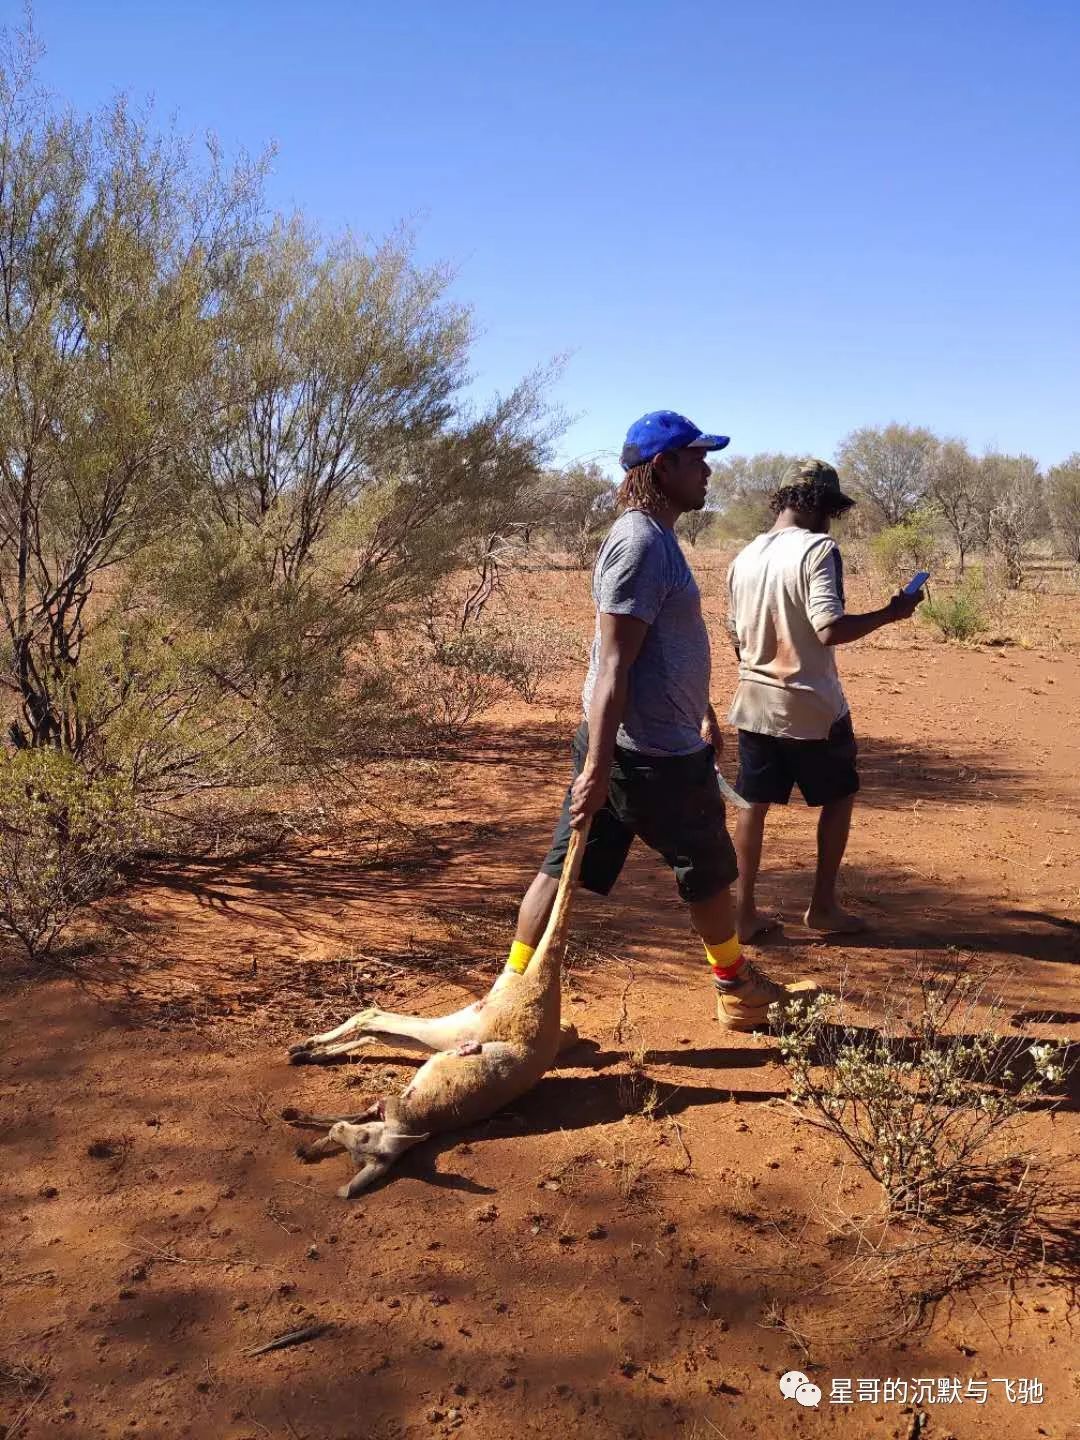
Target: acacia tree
column 888, row 466
column 1063, row 500
column 231, row 456
column 234, row 459
column 1018, row 512
column 953, row 485
column 1001, row 476
column 693, row 524
column 113, row 254
column 579, row 505
column 740, row 489
column 340, row 481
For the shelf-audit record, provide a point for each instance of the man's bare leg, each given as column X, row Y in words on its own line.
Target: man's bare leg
column 535, row 909
column 714, row 919
column 749, row 832
column 825, row 913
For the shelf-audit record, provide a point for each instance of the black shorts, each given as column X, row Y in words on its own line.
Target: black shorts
column 671, row 802
column 824, row 770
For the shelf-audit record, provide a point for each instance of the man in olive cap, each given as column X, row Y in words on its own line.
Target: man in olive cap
column 786, row 616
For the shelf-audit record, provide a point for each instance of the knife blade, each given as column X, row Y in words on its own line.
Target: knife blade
column 732, row 797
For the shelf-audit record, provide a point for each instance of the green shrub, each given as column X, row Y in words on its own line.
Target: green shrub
column 959, row 616
column 744, row 517
column 236, row 456
column 898, row 551
column 453, row 678
column 62, row 836
column 530, row 651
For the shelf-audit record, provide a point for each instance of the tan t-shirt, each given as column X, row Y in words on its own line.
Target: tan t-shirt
column 783, row 588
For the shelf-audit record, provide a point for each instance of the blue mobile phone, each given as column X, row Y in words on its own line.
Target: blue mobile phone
column 915, row 584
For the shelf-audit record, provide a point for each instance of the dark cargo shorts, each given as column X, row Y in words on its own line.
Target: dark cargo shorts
column 672, row 802
column 824, row 770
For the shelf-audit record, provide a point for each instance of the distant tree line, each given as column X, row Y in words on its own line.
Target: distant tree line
column 993, row 502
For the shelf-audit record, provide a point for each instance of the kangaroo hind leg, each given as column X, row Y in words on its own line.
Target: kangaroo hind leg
column 421, row 1033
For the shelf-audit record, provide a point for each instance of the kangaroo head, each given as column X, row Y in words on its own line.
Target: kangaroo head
column 358, row 1139
column 379, row 1138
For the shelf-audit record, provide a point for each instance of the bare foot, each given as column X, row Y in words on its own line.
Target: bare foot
column 753, row 928
column 834, row 921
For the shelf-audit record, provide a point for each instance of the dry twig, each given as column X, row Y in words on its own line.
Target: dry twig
column 293, row 1337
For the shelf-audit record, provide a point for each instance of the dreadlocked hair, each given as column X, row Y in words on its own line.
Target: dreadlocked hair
column 640, row 489
column 812, row 495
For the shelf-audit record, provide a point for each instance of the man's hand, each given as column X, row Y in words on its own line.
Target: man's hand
column 711, row 732
column 587, row 796
column 902, row 606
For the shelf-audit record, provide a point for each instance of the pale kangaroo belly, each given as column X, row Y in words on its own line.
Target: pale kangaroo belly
column 523, row 1020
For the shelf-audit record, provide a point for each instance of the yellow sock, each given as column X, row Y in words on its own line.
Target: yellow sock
column 519, row 957
column 725, row 958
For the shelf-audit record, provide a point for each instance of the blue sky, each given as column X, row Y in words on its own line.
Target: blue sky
column 785, row 219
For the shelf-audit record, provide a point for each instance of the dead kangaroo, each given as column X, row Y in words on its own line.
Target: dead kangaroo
column 488, row 1054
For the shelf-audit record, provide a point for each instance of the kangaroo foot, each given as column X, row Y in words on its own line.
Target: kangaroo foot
column 359, row 1022
column 333, row 1054
column 318, row 1150
column 305, row 1121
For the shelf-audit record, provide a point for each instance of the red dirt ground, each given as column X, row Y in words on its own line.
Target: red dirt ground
column 640, row 1248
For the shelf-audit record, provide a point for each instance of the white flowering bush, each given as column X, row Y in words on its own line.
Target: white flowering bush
column 919, row 1099
column 1049, row 1062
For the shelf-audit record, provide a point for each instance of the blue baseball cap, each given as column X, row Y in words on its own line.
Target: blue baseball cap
column 665, row 430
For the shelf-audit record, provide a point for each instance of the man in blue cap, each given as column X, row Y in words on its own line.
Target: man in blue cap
column 644, row 754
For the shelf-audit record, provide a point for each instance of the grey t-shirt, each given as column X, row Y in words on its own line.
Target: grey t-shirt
column 641, row 571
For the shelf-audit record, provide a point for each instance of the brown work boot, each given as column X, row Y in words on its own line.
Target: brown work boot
column 743, row 1003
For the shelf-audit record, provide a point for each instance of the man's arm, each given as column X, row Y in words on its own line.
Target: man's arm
column 621, row 639
column 732, row 628
column 711, row 732
column 846, row 628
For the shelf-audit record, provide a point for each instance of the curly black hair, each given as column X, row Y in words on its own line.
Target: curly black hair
column 811, row 497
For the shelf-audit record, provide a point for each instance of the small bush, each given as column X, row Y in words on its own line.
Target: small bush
column 458, row 671
column 897, row 552
column 456, row 681
column 744, row 517
column 531, row 651
column 918, row 1100
column 62, row 836
column 959, row 616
